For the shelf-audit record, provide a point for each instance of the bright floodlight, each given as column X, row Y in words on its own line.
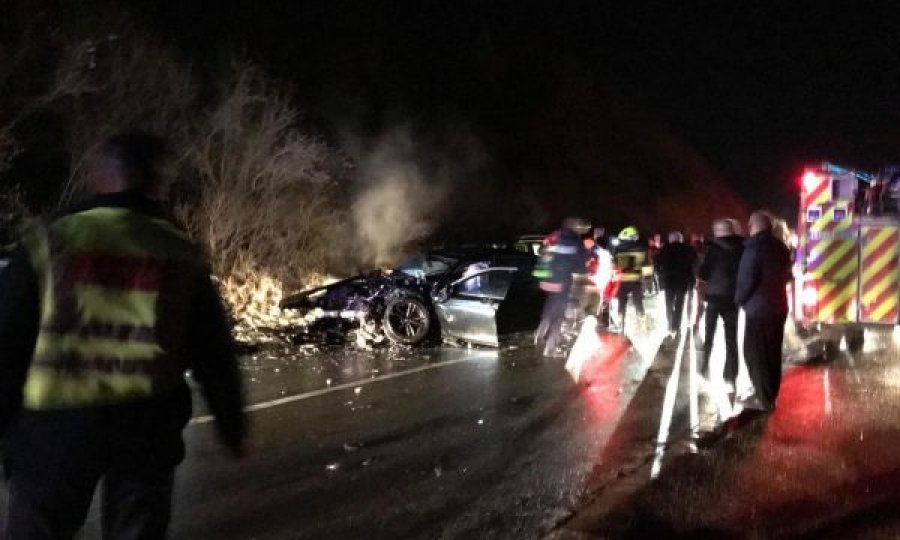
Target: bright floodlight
column 810, row 181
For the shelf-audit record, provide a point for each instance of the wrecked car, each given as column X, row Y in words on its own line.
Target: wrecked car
column 474, row 295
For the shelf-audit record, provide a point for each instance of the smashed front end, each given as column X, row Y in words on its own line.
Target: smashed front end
column 369, row 309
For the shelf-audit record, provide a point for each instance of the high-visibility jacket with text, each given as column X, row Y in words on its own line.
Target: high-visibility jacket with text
column 112, row 286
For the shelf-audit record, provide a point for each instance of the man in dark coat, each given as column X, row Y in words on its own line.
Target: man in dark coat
column 718, row 276
column 675, row 264
column 568, row 256
column 763, row 275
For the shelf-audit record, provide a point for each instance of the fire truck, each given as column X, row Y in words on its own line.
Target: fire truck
column 847, row 254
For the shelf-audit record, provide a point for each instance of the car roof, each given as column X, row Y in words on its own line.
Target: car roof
column 531, row 237
column 474, row 252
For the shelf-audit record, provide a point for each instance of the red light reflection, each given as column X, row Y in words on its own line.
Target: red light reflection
column 602, row 373
column 809, row 456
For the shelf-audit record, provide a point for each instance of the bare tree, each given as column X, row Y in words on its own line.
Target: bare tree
column 115, row 83
column 267, row 209
column 252, row 185
column 99, row 85
column 28, row 86
column 18, row 100
column 12, row 212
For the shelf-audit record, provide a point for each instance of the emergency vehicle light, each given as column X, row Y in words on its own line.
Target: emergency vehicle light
column 810, row 181
column 810, row 294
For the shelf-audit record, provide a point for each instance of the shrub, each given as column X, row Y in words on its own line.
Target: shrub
column 267, row 206
column 251, row 184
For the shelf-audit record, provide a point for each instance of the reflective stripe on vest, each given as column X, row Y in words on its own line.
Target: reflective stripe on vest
column 106, row 279
column 542, row 267
column 630, row 263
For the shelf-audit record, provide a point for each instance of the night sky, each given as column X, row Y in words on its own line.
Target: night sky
column 598, row 108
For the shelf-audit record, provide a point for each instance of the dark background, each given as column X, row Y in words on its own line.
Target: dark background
column 622, row 111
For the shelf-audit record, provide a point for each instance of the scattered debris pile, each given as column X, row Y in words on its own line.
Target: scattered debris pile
column 371, row 309
column 258, row 319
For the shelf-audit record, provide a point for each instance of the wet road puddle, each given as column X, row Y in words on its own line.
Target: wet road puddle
column 826, row 457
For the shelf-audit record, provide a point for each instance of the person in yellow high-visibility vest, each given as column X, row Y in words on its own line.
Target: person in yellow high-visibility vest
column 102, row 311
column 630, row 256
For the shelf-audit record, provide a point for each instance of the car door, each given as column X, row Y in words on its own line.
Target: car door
column 521, row 308
column 469, row 309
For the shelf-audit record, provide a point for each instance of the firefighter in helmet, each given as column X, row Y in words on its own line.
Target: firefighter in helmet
column 630, row 256
column 567, row 256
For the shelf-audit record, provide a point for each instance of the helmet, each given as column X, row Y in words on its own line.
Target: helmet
column 629, row 233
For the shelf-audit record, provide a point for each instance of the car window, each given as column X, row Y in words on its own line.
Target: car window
column 525, row 247
column 492, row 284
column 532, row 247
column 426, row 266
column 524, row 264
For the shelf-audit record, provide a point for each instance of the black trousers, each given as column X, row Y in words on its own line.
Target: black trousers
column 674, row 307
column 636, row 292
column 135, row 505
column 729, row 314
column 552, row 318
column 763, row 337
column 55, row 461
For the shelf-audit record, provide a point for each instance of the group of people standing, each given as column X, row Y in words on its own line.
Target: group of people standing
column 733, row 273
column 729, row 273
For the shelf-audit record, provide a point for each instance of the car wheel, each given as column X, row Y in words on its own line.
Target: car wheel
column 823, row 351
column 802, row 331
column 406, row 320
column 856, row 339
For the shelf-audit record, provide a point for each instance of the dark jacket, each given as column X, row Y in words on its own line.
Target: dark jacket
column 569, row 257
column 630, row 256
column 763, row 274
column 719, row 267
column 675, row 264
column 208, row 350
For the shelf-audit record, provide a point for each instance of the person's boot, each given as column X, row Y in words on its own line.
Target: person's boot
column 540, row 334
column 553, row 350
column 703, row 369
column 730, row 391
column 603, row 318
column 619, row 324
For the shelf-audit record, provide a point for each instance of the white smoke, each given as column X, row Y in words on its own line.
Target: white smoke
column 397, row 205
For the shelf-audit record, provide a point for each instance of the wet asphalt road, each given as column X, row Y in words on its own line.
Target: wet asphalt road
column 823, row 465
column 439, row 443
column 475, row 443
